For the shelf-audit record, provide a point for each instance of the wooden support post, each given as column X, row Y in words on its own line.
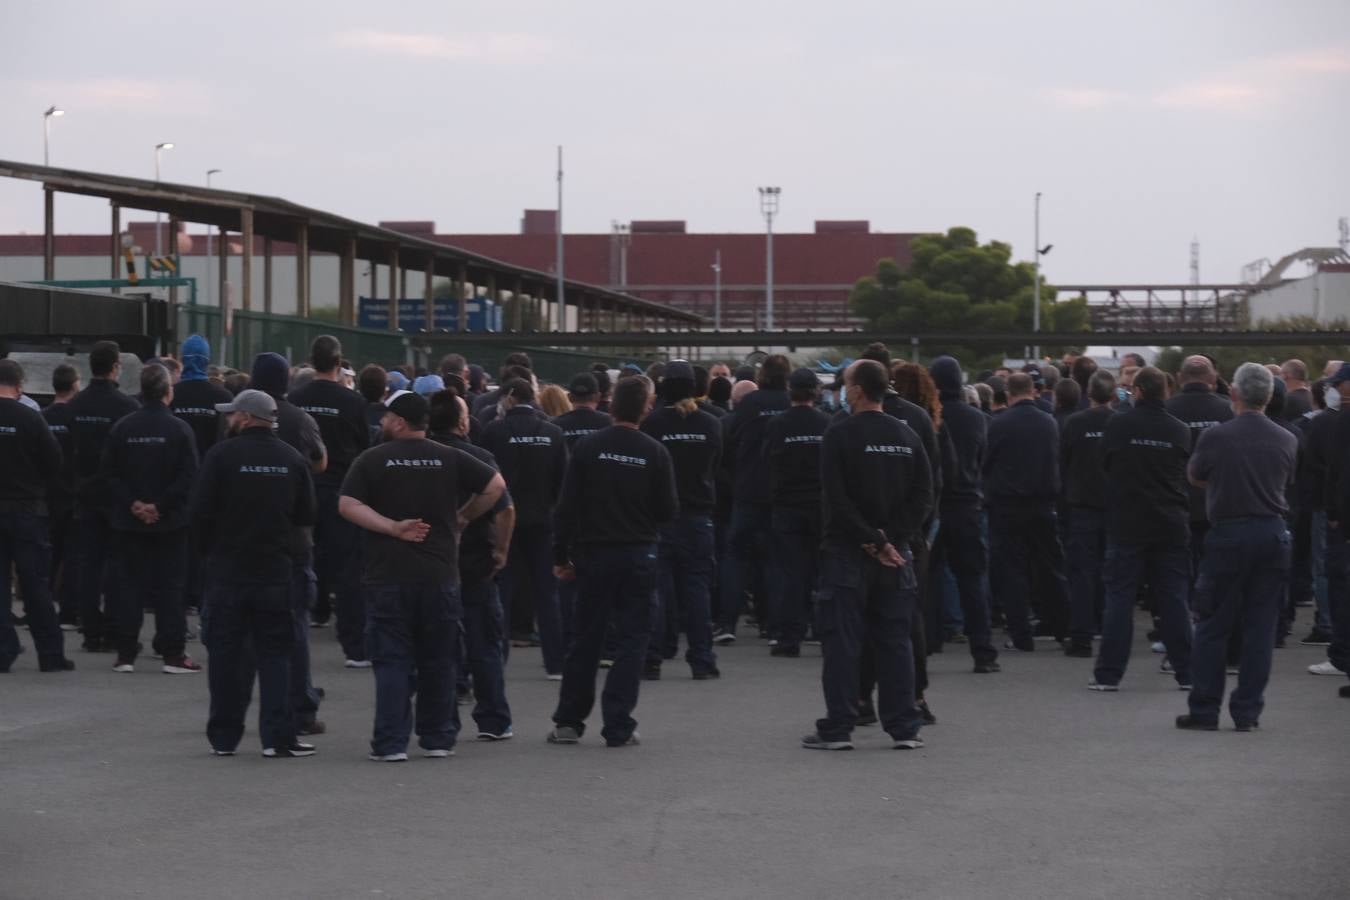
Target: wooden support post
column 267, row 275
column 492, row 294
column 222, row 265
column 347, row 294
column 115, row 245
column 462, row 296
column 48, row 233
column 246, row 262
column 428, row 292
column 302, row 270
column 393, row 288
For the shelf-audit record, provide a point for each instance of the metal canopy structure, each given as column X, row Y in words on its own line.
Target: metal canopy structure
column 273, row 219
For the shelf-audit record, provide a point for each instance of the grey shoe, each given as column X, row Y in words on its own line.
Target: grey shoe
column 563, row 734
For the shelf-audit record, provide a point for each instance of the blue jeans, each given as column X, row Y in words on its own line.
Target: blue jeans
column 1338, row 595
column 337, row 558
column 412, row 634
column 1086, row 549
column 865, row 603
column 1242, row 577
column 243, row 626
column 750, row 571
column 484, row 630
column 304, row 698
column 616, row 586
column 24, row 549
column 685, row 557
column 1166, row 567
column 98, row 588
column 1025, row 552
column 530, row 562
column 961, row 547
column 796, row 540
column 153, row 572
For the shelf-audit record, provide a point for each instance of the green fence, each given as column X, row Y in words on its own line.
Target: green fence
column 253, row 333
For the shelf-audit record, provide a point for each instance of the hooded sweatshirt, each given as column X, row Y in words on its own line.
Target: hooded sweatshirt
column 195, row 398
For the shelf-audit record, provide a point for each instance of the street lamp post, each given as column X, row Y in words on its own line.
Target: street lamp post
column 717, row 291
column 159, row 151
column 1036, row 296
column 51, row 113
column 768, row 205
column 210, row 288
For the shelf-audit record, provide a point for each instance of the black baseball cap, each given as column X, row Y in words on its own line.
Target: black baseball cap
column 803, row 379
column 678, row 368
column 1035, row 372
column 1342, row 374
column 583, row 384
column 409, row 406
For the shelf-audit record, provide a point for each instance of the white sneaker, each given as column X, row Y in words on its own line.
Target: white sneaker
column 1326, row 667
column 1103, row 688
column 1159, row 647
column 554, row 676
column 358, row 664
column 1166, row 667
column 124, row 667
column 435, row 754
column 388, row 757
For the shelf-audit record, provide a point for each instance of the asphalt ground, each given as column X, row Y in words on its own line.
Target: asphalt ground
column 1029, row 786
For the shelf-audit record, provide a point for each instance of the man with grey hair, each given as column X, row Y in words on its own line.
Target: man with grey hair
column 1245, row 467
column 149, row 463
column 1298, row 395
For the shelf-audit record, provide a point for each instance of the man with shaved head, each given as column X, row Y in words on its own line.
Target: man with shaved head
column 1200, row 408
column 1298, row 395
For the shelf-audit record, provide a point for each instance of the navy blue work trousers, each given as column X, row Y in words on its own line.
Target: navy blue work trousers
column 248, row 628
column 685, row 557
column 24, row 550
column 1166, row 567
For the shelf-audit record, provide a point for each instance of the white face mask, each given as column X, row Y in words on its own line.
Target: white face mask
column 1333, row 398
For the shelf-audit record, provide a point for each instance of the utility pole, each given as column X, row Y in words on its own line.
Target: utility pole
column 768, row 205
column 1036, row 294
column 559, row 301
column 717, row 291
column 210, row 288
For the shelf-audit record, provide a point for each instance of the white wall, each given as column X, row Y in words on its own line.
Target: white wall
column 1324, row 296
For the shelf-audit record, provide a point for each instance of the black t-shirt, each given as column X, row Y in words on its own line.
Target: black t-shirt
column 620, row 489
column 876, row 479
column 414, row 478
column 1144, row 452
column 1080, row 457
column 695, row 446
column 1201, row 409
column 478, row 541
column 580, row 422
column 792, row 445
column 195, row 403
column 341, row 416
column 62, row 495
column 30, row 462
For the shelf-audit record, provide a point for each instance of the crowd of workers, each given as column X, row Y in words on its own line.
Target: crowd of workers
column 440, row 523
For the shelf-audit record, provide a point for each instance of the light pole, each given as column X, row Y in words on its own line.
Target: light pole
column 561, row 300
column 717, row 291
column 210, row 290
column 51, row 113
column 625, row 235
column 768, row 205
column 159, row 151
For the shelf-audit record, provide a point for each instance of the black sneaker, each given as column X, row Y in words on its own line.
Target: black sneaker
column 1246, row 727
column 816, row 742
column 651, row 673
column 791, row 652
column 928, row 717
column 314, row 726
column 1026, row 646
column 709, row 675
column 722, row 636
column 867, row 715
column 987, row 668
column 57, row 665
column 1078, row 651
column 296, row 750
column 1318, row 637
column 1344, row 692
column 631, row 741
column 1191, row 723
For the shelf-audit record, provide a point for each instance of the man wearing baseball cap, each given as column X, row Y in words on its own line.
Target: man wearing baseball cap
column 584, row 418
column 409, row 495
column 253, row 497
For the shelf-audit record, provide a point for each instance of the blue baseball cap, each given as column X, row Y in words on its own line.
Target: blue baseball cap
column 428, row 384
column 397, row 381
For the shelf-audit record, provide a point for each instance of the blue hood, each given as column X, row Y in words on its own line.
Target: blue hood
column 196, row 358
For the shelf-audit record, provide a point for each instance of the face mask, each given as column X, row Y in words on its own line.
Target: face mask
column 1122, row 394
column 1333, row 398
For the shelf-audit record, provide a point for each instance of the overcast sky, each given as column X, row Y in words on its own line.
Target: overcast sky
column 1143, row 123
